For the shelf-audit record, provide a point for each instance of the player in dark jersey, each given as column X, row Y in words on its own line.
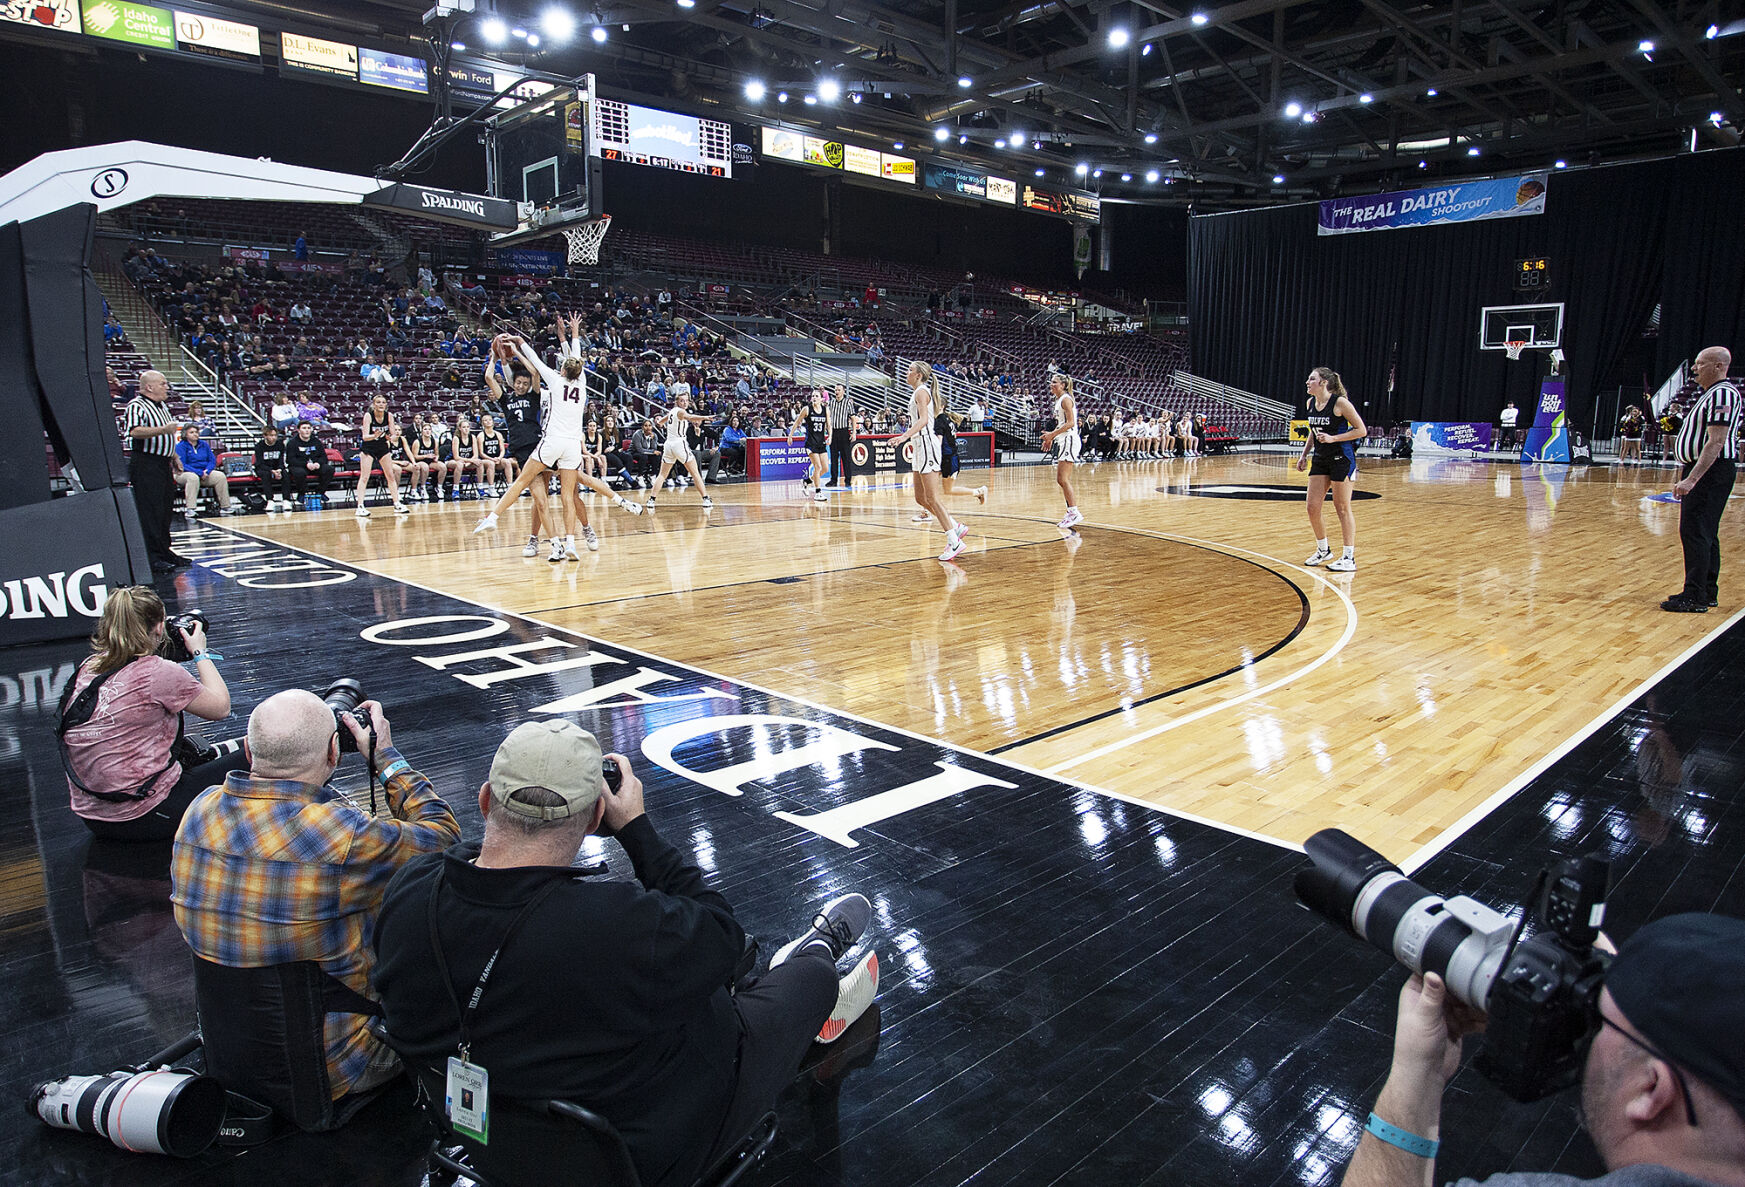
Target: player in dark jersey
column 1335, row 428
column 945, row 424
column 816, row 417
column 494, row 459
column 412, row 454
column 374, row 451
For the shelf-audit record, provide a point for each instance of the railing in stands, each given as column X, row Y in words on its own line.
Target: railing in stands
column 1006, row 413
column 1275, row 409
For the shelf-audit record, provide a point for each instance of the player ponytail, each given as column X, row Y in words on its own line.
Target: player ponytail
column 921, row 375
column 572, row 368
column 1335, row 386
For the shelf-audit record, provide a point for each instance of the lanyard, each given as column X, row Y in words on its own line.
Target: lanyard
column 466, row 1016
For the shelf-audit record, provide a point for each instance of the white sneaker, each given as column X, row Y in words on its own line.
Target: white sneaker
column 954, row 546
column 569, row 549
column 487, row 524
column 958, row 532
column 633, row 508
column 402, row 509
column 531, row 548
column 650, row 502
column 854, row 993
column 591, row 540
column 921, row 518
column 233, row 509
column 1344, row 564
column 1321, row 557
column 1071, row 517
column 708, row 503
column 982, row 495
column 362, row 512
column 190, row 513
column 820, row 497
column 557, row 550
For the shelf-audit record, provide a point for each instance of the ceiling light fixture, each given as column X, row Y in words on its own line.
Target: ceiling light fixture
column 1199, row 20
column 1366, row 97
column 942, row 134
column 559, row 24
column 810, row 100
column 494, row 30
column 599, row 34
column 781, row 96
column 1562, row 164
column 1473, row 151
column 1119, row 37
column 1082, row 169
column 1151, row 175
column 1040, row 172
column 829, row 90
column 1431, row 93
column 1151, row 138
column 1145, row 50
column 1293, row 109
column 1126, row 177
column 755, row 91
column 1278, row 179
column 965, row 81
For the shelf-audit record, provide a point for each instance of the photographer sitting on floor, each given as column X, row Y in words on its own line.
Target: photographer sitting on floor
column 275, row 866
column 1663, row 1090
column 612, row 994
column 130, row 771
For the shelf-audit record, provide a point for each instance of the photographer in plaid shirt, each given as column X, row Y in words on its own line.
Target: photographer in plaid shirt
column 274, row 866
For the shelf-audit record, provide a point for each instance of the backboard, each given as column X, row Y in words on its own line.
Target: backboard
column 536, row 153
column 1539, row 326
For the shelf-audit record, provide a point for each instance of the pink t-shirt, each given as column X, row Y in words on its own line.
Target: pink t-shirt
column 129, row 736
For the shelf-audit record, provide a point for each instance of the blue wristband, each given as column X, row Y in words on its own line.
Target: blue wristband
column 1402, row 1139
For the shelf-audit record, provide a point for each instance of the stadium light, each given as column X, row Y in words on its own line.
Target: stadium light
column 1126, row 177
column 1423, row 164
column 1278, row 179
column 494, row 30
column 559, row 24
column 855, row 97
column 1040, row 172
column 458, row 47
column 1119, row 37
column 1645, row 48
column 1145, row 50
column 1562, row 164
column 1151, row 175
column 599, row 34
column 942, row 134
column 1082, row 169
column 1151, row 138
column 1473, row 151
column 1096, row 173
column 1431, row 93
column 811, row 100
column 755, row 91
column 1293, row 109
column 687, row 3
column 781, row 96
column 897, row 144
column 1310, row 117
column 533, row 40
column 518, row 33
column 1366, row 97
column 963, row 138
column 1716, row 118
column 1200, row 20
column 1712, row 32
column 829, row 90
column 965, row 81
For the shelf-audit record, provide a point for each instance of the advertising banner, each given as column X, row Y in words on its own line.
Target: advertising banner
column 952, row 180
column 475, row 82
column 864, row 161
column 1548, row 439
column 218, row 38
column 297, row 52
column 528, row 261
column 42, row 14
column 783, row 144
column 1002, row 189
column 827, row 153
column 1457, row 202
column 1433, row 438
column 136, row 24
column 898, row 168
column 1299, row 431
column 775, row 459
column 397, row 72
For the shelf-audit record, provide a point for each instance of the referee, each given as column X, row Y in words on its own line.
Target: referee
column 151, row 439
column 1706, row 449
column 841, row 434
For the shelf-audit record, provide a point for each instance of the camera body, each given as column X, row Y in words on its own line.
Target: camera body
column 173, row 648
column 1540, row 994
column 344, row 696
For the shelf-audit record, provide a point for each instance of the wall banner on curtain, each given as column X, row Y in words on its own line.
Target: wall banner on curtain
column 1457, row 202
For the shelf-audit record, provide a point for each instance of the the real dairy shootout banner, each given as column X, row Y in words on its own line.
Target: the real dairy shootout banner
column 1458, row 202
column 1432, row 438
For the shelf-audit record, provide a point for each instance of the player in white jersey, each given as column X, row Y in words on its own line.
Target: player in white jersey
column 677, row 450
column 926, row 457
column 1062, row 441
column 560, row 446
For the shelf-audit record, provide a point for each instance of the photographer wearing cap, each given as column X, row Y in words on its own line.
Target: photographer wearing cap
column 1663, row 1090
column 545, row 981
column 130, row 770
column 275, row 866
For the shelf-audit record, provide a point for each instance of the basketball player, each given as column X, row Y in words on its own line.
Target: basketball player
column 927, row 458
column 560, row 448
column 1334, row 431
column 945, row 425
column 494, row 459
column 406, row 455
column 816, row 417
column 374, row 452
column 524, row 413
column 677, row 449
column 1063, row 443
column 466, row 454
column 1184, row 431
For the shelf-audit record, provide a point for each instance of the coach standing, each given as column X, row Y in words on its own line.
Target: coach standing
column 841, row 434
column 151, row 440
column 1707, row 450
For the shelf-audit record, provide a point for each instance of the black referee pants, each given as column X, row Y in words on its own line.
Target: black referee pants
column 153, row 491
column 840, row 440
column 1699, row 530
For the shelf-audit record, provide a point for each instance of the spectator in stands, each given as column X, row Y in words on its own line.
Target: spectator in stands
column 309, row 410
column 301, row 314
column 197, row 466
column 645, row 450
column 301, row 352
column 271, row 471
column 227, row 319
column 283, row 414
column 118, row 393
column 262, row 312
column 300, row 249
column 975, row 416
column 276, row 866
column 113, row 334
column 732, row 448
column 451, row 377
column 307, row 458
column 198, row 418
column 130, row 773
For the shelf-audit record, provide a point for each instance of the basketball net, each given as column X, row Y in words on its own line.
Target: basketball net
column 1513, row 347
column 585, row 239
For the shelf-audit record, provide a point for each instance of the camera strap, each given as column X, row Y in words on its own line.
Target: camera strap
column 75, row 711
column 465, row 1016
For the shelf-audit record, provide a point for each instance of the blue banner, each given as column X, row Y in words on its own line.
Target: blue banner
column 954, row 180
column 1439, row 438
column 395, row 71
column 1457, row 202
column 528, row 261
column 1548, row 439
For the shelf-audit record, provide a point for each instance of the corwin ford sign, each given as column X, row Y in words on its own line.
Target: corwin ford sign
column 475, row 210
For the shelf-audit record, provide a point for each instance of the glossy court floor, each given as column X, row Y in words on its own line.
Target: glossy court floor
column 1069, row 771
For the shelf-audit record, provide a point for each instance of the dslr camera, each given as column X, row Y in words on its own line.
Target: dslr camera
column 1540, row 994
column 344, row 696
column 172, row 648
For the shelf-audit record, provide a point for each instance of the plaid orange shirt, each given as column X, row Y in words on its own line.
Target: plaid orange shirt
column 271, row 871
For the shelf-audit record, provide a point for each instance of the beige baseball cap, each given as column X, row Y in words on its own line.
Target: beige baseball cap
column 557, row 755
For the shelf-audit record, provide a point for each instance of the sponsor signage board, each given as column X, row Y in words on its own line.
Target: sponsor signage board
column 1002, row 189
column 1073, row 204
column 316, row 56
column 863, row 161
column 62, row 15
column 898, row 168
column 217, row 37
column 137, row 24
column 953, row 179
column 473, row 80
column 827, row 153
column 1458, row 202
column 475, row 209
column 783, row 144
column 397, row 72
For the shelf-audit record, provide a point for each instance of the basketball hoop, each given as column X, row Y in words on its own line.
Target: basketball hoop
column 1513, row 346
column 585, row 239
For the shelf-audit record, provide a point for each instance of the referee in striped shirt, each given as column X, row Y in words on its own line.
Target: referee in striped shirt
column 1706, row 448
column 151, row 440
column 841, row 410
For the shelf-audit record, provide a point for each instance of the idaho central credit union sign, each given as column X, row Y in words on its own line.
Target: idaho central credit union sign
column 1462, row 202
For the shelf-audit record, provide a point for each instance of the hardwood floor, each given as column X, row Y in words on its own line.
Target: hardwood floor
column 1173, row 650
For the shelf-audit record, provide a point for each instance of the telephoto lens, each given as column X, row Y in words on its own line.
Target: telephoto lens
column 344, row 696
column 159, row 1111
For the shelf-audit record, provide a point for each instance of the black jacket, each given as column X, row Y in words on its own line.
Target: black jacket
column 610, row 994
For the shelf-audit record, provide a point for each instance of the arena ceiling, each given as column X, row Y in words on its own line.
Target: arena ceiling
column 1248, row 100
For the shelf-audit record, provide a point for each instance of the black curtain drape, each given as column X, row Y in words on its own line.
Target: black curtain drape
column 1268, row 298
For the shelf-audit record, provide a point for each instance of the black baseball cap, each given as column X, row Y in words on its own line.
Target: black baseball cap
column 1681, row 983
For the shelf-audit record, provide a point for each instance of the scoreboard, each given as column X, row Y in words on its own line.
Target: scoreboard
column 638, row 135
column 1532, row 274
